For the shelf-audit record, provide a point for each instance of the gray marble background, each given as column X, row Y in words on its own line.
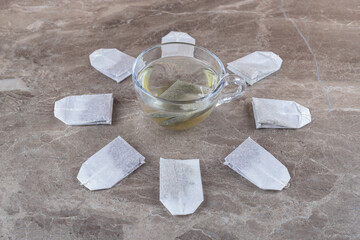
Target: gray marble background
column 44, row 49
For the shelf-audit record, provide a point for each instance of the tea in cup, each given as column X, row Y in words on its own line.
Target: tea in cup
column 178, row 91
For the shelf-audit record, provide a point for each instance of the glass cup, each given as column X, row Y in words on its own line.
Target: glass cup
column 160, row 66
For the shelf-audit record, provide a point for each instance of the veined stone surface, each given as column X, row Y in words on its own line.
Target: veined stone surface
column 47, row 44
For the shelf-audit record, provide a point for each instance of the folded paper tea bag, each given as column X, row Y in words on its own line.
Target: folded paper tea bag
column 109, row 165
column 112, row 63
column 181, row 189
column 258, row 166
column 256, row 66
column 85, row 109
column 172, row 50
column 272, row 113
column 183, row 91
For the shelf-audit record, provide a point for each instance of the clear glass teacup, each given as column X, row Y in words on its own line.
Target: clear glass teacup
column 179, row 84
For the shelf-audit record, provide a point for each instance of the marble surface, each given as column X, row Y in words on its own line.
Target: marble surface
column 44, row 48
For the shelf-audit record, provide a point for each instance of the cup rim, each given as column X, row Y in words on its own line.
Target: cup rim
column 214, row 92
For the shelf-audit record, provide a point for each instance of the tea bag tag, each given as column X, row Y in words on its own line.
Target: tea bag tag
column 85, row 109
column 109, row 165
column 257, row 165
column 273, row 113
column 112, row 63
column 256, row 66
column 181, row 189
column 177, row 50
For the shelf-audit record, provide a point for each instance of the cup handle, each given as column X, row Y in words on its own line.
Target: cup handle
column 235, row 80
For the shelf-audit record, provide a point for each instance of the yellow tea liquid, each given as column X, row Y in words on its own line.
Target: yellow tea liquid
column 178, row 79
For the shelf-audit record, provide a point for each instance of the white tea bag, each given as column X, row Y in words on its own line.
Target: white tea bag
column 85, row 109
column 183, row 91
column 112, row 63
column 272, row 113
column 109, row 165
column 183, row 50
column 256, row 66
column 257, row 165
column 180, row 185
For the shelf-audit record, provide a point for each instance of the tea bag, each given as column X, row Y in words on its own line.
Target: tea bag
column 112, row 63
column 256, row 66
column 110, row 165
column 179, row 50
column 272, row 113
column 257, row 165
column 85, row 109
column 171, row 119
column 183, row 91
column 180, row 185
